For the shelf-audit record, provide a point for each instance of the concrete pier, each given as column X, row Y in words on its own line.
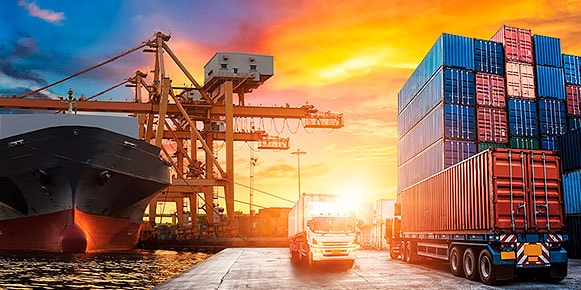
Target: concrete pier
column 270, row 268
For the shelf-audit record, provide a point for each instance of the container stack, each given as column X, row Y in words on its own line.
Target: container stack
column 491, row 114
column 436, row 120
column 550, row 83
column 572, row 70
column 571, row 160
column 520, row 86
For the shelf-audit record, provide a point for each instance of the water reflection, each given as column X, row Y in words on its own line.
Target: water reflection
column 128, row 270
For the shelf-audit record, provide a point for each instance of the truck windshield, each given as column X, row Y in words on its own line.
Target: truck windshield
column 333, row 224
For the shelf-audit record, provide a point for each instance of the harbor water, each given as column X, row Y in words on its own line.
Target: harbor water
column 138, row 269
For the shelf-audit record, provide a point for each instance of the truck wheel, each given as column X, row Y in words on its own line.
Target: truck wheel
column 392, row 252
column 486, row 268
column 295, row 257
column 469, row 264
column 456, row 262
column 410, row 252
column 402, row 251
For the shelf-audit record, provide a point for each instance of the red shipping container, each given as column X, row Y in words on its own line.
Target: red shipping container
column 490, row 90
column 520, row 80
column 492, row 125
column 501, row 190
column 573, row 100
column 518, row 43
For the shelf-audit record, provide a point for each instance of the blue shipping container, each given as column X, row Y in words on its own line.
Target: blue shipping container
column 456, row 151
column 550, row 82
column 552, row 117
column 449, row 51
column 459, row 122
column 570, row 153
column 489, row 56
column 574, row 123
column 572, row 192
column 522, row 118
column 549, row 142
column 572, row 68
column 453, row 85
column 547, row 51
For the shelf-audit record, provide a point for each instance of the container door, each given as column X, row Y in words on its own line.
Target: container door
column 545, row 212
column 510, row 178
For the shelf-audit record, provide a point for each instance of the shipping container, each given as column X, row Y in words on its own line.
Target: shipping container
column 442, row 154
column 574, row 123
column 448, row 51
column 490, row 90
column 552, row 117
column 547, row 51
column 482, row 146
column 572, row 192
column 570, row 150
column 524, row 143
column 549, row 143
column 489, row 57
column 574, row 231
column 572, row 68
column 550, row 82
column 573, row 93
column 446, row 120
column 517, row 43
column 501, row 191
column 520, row 80
column 492, row 125
column 455, row 86
column 522, row 118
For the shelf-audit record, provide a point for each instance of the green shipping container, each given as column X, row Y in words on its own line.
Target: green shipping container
column 524, row 143
column 485, row 145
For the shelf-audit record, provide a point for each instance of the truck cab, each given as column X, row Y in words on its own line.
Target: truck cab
column 331, row 237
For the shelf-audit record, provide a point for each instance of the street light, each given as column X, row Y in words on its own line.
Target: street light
column 298, row 153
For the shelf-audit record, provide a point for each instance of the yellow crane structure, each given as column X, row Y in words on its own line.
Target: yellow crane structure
column 191, row 118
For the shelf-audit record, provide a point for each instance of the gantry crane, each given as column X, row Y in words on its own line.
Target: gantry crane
column 194, row 117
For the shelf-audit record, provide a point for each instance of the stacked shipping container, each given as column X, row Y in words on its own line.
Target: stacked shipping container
column 571, row 155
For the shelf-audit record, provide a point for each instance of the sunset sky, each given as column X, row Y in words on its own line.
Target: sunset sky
column 349, row 57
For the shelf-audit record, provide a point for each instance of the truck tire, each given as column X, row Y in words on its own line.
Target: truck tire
column 411, row 253
column 393, row 253
column 402, row 251
column 295, row 257
column 486, row 268
column 469, row 264
column 455, row 261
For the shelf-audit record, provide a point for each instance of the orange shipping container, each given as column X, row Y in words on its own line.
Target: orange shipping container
column 501, row 190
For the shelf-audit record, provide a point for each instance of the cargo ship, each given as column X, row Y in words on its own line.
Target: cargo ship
column 75, row 183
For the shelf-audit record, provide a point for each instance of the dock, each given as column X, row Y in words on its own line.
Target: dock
column 270, row 268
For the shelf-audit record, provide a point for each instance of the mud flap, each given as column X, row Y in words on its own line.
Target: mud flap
column 558, row 270
column 504, row 272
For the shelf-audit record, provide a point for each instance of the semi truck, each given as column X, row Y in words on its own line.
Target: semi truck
column 320, row 229
column 493, row 216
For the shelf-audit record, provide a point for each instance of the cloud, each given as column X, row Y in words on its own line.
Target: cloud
column 44, row 14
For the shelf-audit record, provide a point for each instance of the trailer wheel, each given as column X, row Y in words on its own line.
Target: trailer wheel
column 469, row 264
column 410, row 252
column 456, row 261
column 392, row 252
column 486, row 268
column 402, row 251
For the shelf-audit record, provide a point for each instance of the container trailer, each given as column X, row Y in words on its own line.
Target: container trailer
column 320, row 229
column 491, row 216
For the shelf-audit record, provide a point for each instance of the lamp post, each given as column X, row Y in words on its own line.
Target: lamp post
column 253, row 161
column 298, row 153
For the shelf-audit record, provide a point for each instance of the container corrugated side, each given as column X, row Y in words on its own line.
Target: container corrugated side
column 501, row 190
column 517, row 43
column 524, row 143
column 573, row 94
column 550, row 82
column 572, row 192
column 489, row 57
column 446, row 120
column 449, row 51
column 574, row 232
column 574, row 123
column 572, row 69
column 442, row 154
column 549, row 143
column 490, row 90
column 570, row 144
column 522, row 118
column 492, row 125
column 455, row 86
column 547, row 51
column 520, row 80
column 552, row 117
